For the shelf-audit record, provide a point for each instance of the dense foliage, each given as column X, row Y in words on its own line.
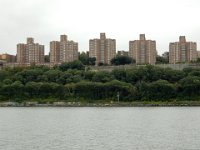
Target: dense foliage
column 71, row 81
column 86, row 60
column 161, row 60
column 122, row 60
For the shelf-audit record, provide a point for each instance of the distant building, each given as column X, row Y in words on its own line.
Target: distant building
column 55, row 52
column 198, row 54
column 102, row 49
column 63, row 50
column 30, row 52
column 143, row 51
column 182, row 51
column 8, row 58
column 123, row 53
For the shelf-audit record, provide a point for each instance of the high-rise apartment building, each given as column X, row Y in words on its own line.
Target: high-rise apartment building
column 54, row 52
column 143, row 51
column 22, row 55
column 182, row 51
column 63, row 50
column 30, row 52
column 102, row 49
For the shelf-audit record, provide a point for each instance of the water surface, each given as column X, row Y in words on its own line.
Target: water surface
column 142, row 128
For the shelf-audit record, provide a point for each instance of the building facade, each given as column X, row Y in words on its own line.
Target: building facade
column 30, row 52
column 102, row 49
column 198, row 54
column 8, row 58
column 123, row 53
column 63, row 50
column 54, row 51
column 143, row 51
column 182, row 51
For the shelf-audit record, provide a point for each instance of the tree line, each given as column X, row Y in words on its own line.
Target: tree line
column 72, row 81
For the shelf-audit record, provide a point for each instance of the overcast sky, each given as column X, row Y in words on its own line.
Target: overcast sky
column 123, row 20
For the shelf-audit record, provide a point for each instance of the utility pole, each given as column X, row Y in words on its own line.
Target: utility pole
column 118, row 96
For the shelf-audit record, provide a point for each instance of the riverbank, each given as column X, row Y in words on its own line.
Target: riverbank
column 103, row 104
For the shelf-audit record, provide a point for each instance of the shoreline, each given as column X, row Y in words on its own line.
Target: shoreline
column 104, row 104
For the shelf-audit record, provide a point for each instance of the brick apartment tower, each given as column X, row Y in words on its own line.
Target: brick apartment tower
column 30, row 52
column 182, row 51
column 102, row 49
column 63, row 50
column 143, row 51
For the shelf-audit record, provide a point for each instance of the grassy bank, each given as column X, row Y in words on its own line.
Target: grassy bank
column 102, row 103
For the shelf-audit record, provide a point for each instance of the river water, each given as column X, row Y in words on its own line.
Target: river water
column 120, row 128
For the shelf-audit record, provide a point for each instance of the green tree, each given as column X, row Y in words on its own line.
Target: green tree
column 125, row 90
column 7, row 82
column 72, row 65
column 195, row 73
column 171, row 75
column 33, row 89
column 160, row 90
column 91, row 61
column 190, row 86
column 149, row 73
column 120, row 74
column 88, row 75
column 45, row 90
column 133, row 76
column 122, row 60
column 7, row 91
column 17, row 90
column 46, row 59
column 83, row 57
column 198, row 60
column 3, row 75
column 28, row 75
column 102, row 76
column 69, row 90
column 86, row 60
column 53, row 75
column 161, row 60
column 109, row 90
